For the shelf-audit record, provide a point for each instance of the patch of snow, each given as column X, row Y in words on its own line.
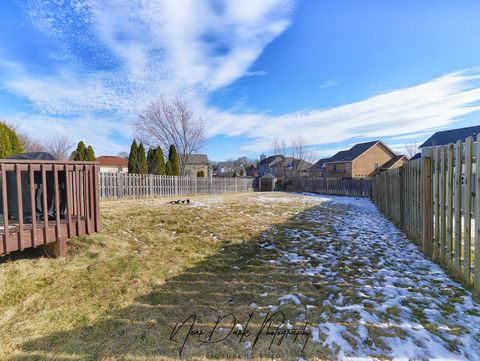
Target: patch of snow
column 290, row 297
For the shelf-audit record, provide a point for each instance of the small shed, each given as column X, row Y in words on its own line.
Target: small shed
column 267, row 183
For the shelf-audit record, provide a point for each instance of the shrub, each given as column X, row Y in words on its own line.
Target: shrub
column 10, row 143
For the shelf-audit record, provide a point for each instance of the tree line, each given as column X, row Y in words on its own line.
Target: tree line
column 154, row 160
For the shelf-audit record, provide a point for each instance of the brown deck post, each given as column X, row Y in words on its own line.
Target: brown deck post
column 3, row 169
column 96, row 188
column 59, row 247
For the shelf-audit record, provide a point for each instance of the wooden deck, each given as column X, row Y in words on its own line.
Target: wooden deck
column 67, row 191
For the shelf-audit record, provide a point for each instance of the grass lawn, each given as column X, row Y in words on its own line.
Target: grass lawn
column 334, row 263
column 119, row 293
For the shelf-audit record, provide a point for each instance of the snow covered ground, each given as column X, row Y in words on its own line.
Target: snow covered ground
column 377, row 295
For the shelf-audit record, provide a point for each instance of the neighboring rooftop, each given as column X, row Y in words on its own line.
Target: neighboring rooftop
column 392, row 161
column 270, row 159
column 355, row 151
column 451, row 136
column 199, row 159
column 112, row 161
column 321, row 163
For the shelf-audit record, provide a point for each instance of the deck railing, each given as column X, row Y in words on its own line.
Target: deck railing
column 46, row 203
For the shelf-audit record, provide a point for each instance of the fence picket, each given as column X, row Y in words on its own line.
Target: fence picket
column 467, row 213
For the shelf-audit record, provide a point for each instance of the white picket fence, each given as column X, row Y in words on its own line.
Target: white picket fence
column 126, row 185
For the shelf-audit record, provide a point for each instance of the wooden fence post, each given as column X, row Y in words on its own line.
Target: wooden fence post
column 401, row 190
column 427, row 232
column 175, row 179
column 476, row 266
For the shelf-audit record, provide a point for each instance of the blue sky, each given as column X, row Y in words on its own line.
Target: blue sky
column 332, row 72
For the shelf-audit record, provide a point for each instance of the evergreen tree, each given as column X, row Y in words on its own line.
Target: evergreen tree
column 142, row 160
column 90, row 154
column 10, row 143
column 151, row 161
column 234, row 175
column 168, row 168
column 173, row 159
column 132, row 158
column 159, row 161
column 242, row 172
column 80, row 154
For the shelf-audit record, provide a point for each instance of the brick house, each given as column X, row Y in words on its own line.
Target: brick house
column 197, row 163
column 361, row 161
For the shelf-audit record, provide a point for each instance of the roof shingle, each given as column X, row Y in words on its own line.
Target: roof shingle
column 451, row 136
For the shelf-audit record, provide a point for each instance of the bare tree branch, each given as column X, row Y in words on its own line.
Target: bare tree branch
column 123, row 155
column 411, row 149
column 30, row 144
column 279, row 147
column 59, row 146
column 171, row 122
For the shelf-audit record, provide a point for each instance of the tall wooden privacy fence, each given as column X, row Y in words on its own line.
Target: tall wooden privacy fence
column 343, row 187
column 434, row 200
column 125, row 185
column 46, row 202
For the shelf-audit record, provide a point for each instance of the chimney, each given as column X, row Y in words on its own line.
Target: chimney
column 262, row 157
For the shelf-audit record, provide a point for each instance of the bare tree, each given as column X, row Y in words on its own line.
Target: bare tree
column 30, row 144
column 299, row 151
column 171, row 122
column 123, row 155
column 411, row 149
column 279, row 146
column 59, row 146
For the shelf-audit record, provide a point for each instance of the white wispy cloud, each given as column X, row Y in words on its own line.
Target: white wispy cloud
column 330, row 83
column 427, row 106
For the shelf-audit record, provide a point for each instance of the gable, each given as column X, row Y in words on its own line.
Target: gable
column 379, row 150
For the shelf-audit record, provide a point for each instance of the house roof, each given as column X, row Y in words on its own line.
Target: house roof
column 268, row 175
column 300, row 164
column 112, row 161
column 416, row 156
column 272, row 158
column 200, row 159
column 320, row 164
column 392, row 161
column 451, row 136
column 356, row 151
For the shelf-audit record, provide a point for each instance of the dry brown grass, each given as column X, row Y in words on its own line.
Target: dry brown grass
column 118, row 293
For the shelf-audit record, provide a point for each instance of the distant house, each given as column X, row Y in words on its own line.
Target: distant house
column 252, row 171
column 228, row 169
column 112, row 164
column 448, row 136
column 319, row 168
column 363, row 160
column 291, row 167
column 268, row 164
column 197, row 163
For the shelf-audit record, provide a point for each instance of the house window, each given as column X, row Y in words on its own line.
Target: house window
column 334, row 167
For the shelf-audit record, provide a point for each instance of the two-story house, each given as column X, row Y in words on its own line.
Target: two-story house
column 363, row 160
column 269, row 164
